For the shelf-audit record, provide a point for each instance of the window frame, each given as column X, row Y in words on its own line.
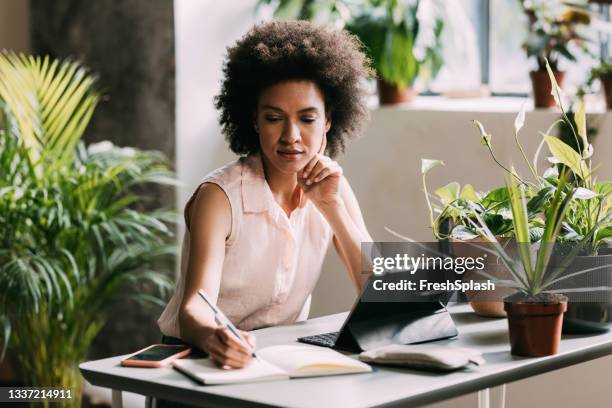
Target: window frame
column 484, row 43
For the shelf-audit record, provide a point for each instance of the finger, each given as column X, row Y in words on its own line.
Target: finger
column 230, row 340
column 228, row 356
column 234, row 358
column 222, row 350
column 322, row 175
column 249, row 338
column 309, row 166
column 229, row 363
column 320, row 166
column 335, row 170
column 330, row 171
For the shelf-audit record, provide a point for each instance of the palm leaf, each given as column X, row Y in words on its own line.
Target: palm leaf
column 52, row 105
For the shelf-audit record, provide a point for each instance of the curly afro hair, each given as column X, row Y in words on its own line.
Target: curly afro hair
column 278, row 51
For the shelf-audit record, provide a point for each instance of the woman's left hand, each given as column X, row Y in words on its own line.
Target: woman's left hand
column 320, row 180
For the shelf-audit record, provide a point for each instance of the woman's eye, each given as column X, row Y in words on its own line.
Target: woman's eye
column 272, row 118
column 308, row 119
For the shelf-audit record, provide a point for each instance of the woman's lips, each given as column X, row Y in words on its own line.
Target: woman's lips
column 290, row 154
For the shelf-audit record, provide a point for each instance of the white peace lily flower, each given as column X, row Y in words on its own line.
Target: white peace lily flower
column 584, row 193
column 556, row 90
column 428, row 164
column 553, row 160
column 551, row 172
column 520, row 118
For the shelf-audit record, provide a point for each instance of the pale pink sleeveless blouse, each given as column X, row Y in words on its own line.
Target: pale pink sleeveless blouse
column 272, row 262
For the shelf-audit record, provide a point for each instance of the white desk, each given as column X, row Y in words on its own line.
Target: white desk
column 385, row 386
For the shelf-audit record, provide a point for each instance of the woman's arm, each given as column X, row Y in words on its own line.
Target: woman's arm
column 323, row 183
column 348, row 226
column 209, row 219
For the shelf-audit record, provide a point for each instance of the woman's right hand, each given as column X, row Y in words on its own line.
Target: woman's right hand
column 226, row 350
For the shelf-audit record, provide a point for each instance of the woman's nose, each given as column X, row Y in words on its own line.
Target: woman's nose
column 291, row 133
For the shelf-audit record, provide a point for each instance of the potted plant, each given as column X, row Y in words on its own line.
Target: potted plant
column 587, row 313
column 399, row 43
column 453, row 206
column 535, row 315
column 603, row 72
column 552, row 27
column 535, row 312
column 74, row 234
column 390, row 31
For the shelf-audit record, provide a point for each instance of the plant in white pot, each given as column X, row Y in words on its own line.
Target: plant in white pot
column 74, row 235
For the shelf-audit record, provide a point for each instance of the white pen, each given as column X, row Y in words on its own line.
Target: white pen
column 221, row 319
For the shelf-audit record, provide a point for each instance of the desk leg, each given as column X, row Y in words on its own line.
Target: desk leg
column 484, row 398
column 117, row 399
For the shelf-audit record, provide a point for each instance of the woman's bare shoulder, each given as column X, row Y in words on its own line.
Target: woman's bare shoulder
column 210, row 204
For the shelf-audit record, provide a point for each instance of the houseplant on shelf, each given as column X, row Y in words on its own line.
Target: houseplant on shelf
column 552, row 27
column 74, row 237
column 392, row 32
column 603, row 73
column 401, row 37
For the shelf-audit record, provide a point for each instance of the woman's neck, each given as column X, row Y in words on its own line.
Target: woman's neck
column 284, row 187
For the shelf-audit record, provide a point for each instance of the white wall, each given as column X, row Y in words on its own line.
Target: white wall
column 383, row 168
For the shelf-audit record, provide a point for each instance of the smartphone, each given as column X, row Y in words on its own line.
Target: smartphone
column 157, row 355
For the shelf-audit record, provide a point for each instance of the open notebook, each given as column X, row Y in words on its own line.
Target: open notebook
column 275, row 363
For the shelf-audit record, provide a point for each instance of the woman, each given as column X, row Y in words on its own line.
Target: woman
column 258, row 228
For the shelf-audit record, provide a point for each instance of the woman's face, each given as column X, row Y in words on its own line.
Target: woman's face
column 291, row 122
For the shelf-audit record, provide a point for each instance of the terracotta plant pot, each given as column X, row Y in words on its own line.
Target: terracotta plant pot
column 535, row 328
column 391, row 94
column 484, row 303
column 489, row 303
column 606, row 84
column 540, row 82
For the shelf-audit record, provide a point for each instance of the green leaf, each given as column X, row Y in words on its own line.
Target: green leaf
column 520, row 222
column 604, row 233
column 496, row 197
column 568, row 156
column 288, row 9
column 448, row 193
column 463, row 233
column 498, row 224
column 468, row 193
column 538, row 202
column 580, row 119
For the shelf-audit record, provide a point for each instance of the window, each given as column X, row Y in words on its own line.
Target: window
column 500, row 28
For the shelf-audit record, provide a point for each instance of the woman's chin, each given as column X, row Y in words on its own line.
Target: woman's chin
column 290, row 164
